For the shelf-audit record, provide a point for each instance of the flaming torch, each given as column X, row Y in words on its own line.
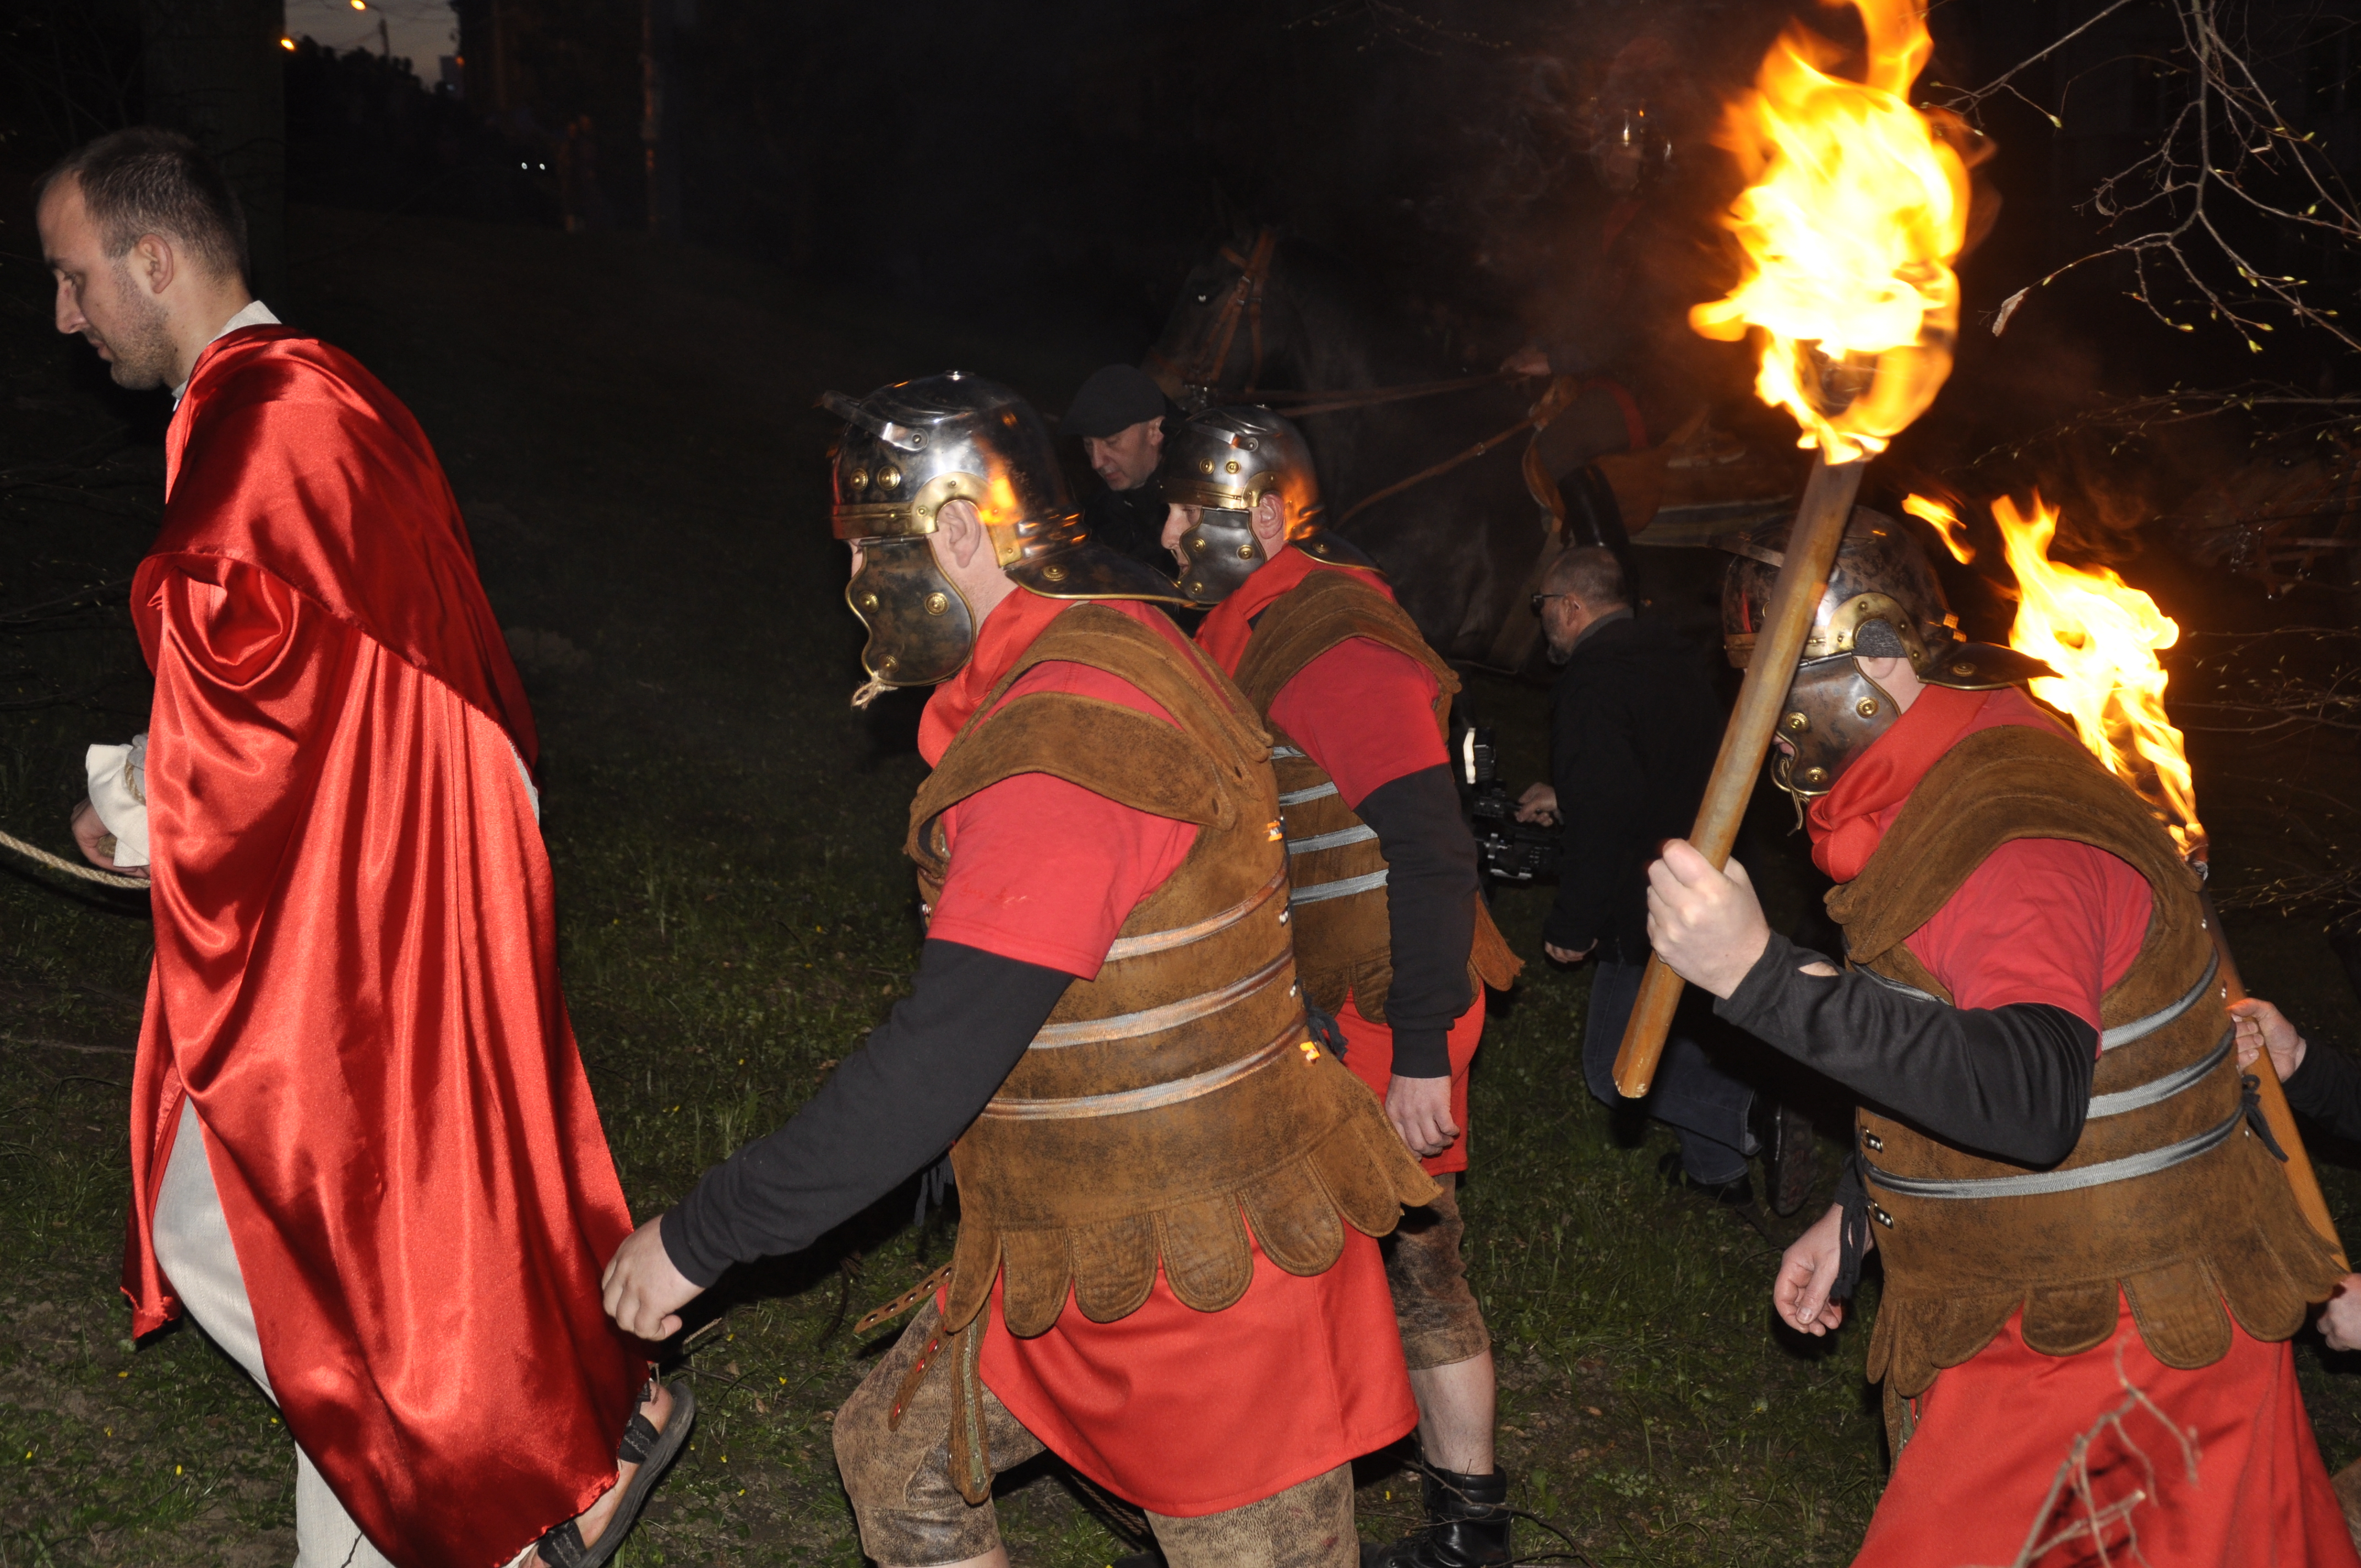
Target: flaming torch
column 1855, row 208
column 2102, row 636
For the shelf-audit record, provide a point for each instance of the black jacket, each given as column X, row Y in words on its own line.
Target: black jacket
column 1131, row 523
column 2327, row 1090
column 1634, row 724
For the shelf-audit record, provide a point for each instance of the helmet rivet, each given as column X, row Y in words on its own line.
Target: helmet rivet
column 937, row 604
column 887, row 662
column 869, row 601
column 1245, row 552
column 858, row 479
column 1963, row 668
column 1192, row 587
column 1799, row 723
column 1866, row 707
column 1205, row 465
column 1055, row 574
column 889, row 479
column 1197, row 546
column 1231, row 466
column 1815, row 775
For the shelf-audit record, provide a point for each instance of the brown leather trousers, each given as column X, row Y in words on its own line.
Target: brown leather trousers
column 911, row 1515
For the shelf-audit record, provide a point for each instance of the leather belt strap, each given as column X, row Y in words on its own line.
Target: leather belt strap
column 1298, row 796
column 1155, row 1096
column 2125, row 1034
column 1155, row 1020
column 1336, row 840
column 2122, row 1034
column 1320, row 891
column 2040, row 1183
column 2157, row 1091
column 1181, row 935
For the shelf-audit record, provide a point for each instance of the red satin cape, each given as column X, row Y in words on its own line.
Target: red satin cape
column 356, row 974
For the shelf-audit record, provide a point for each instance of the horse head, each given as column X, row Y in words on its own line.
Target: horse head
column 1224, row 338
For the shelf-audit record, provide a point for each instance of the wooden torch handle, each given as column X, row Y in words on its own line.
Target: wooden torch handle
column 2299, row 1173
column 1786, row 621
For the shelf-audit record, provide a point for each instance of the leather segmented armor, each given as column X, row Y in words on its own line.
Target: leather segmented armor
column 1343, row 942
column 2168, row 1196
column 1176, row 1098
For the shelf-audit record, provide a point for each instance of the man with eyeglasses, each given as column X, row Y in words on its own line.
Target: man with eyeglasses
column 1633, row 728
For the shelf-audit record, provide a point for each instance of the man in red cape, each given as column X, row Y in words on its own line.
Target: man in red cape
column 2084, row 1227
column 364, row 1156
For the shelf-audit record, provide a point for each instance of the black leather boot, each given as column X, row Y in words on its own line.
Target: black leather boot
column 1466, row 1526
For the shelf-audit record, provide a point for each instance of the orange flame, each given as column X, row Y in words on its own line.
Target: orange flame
column 1855, row 208
column 1947, row 524
column 2103, row 635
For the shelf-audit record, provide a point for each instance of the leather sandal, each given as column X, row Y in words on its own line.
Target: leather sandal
column 652, row 1451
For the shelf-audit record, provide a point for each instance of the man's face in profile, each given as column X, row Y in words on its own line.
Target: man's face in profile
column 1128, row 459
column 99, row 296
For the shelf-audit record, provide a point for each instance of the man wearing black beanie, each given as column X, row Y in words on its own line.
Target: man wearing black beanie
column 1120, row 414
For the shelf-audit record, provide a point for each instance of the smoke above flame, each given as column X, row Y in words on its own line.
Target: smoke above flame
column 2102, row 636
column 1855, row 208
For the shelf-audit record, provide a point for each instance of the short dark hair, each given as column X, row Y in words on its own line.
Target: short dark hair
column 1593, row 576
column 146, row 180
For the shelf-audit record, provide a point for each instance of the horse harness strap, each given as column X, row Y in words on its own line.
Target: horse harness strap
column 1245, row 299
column 1560, row 395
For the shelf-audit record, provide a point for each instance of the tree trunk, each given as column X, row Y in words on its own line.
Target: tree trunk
column 214, row 70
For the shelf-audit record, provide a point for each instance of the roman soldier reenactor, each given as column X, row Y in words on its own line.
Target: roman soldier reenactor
column 2083, row 1221
column 1169, row 1189
column 1391, row 936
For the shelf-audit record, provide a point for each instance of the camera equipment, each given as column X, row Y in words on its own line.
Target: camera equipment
column 1511, row 851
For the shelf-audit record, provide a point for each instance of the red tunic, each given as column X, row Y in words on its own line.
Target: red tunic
column 356, row 974
column 1366, row 713
column 1184, row 1412
column 2046, row 920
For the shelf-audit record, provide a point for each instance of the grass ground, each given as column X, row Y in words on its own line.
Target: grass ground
column 629, row 433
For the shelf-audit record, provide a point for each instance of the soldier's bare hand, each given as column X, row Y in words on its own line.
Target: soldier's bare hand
column 2263, row 1026
column 642, row 1291
column 1705, row 924
column 1538, row 803
column 1420, row 1109
column 1800, row 1293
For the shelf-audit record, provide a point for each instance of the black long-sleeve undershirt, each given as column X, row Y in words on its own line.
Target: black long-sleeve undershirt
column 1431, row 886
column 2013, row 1082
column 893, row 1106
column 2326, row 1089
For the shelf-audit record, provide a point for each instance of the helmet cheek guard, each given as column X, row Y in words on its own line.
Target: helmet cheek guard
column 1222, row 552
column 921, row 628
column 1834, row 712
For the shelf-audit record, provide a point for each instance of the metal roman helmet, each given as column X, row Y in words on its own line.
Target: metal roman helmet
column 1224, row 461
column 912, row 448
column 1883, row 601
